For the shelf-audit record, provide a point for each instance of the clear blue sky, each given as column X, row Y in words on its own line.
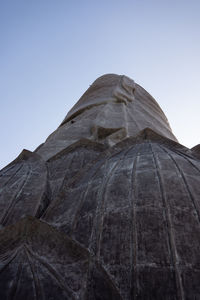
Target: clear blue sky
column 52, row 50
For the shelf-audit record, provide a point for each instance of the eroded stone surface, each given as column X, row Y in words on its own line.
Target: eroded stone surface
column 115, row 207
column 137, row 210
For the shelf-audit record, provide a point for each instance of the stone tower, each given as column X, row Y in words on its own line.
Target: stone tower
column 107, row 208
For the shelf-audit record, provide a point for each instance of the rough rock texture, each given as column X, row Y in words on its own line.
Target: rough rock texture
column 114, row 205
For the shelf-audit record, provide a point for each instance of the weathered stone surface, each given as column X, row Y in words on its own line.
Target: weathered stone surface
column 42, row 263
column 112, row 109
column 65, row 164
column 23, row 188
column 115, row 200
column 137, row 210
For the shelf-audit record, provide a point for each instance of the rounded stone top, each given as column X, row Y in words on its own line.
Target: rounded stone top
column 120, row 89
column 100, row 92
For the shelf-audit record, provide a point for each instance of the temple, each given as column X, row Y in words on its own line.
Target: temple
column 106, row 208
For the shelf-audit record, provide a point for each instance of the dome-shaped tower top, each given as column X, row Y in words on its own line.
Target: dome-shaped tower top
column 142, row 109
column 113, row 108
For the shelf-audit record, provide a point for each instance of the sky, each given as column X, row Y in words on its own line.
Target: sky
column 52, row 50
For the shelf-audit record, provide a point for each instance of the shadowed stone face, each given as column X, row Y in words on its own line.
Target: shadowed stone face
column 112, row 109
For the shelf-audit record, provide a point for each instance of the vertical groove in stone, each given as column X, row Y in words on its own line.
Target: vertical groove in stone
column 83, row 197
column 15, row 285
column 35, row 279
column 101, row 198
column 185, row 183
column 170, row 229
column 188, row 159
column 133, row 230
column 100, row 205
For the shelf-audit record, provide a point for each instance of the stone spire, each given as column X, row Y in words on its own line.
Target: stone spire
column 112, row 109
column 106, row 209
